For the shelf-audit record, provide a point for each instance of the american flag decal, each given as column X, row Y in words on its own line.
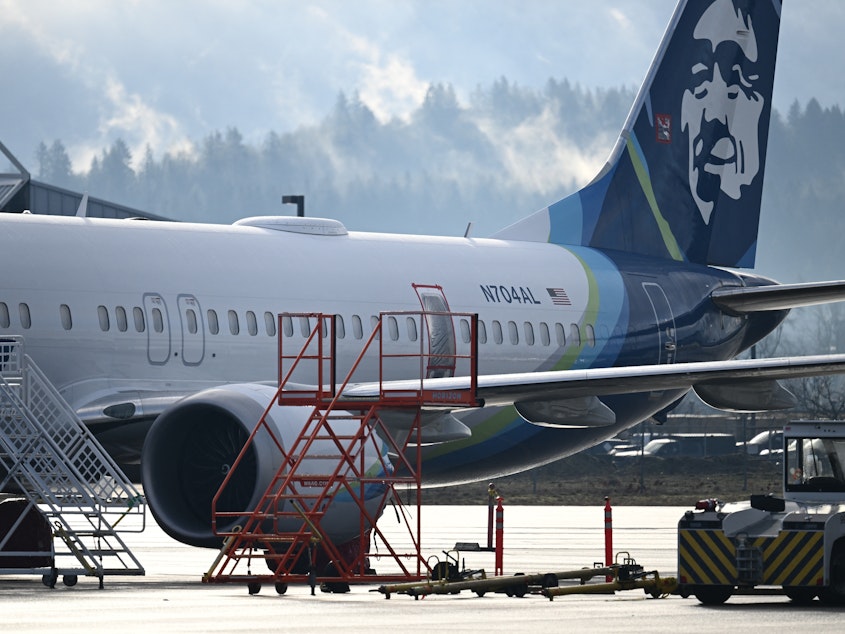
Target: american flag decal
column 559, row 297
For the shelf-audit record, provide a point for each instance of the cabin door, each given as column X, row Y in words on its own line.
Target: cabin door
column 665, row 321
column 440, row 330
column 158, row 329
column 193, row 332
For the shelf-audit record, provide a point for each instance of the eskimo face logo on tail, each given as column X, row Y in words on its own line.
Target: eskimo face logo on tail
column 721, row 110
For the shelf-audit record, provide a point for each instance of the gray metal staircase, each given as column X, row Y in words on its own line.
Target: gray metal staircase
column 48, row 456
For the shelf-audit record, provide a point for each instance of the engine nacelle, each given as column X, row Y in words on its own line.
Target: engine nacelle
column 191, row 447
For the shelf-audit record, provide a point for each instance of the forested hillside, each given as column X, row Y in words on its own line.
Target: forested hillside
column 506, row 153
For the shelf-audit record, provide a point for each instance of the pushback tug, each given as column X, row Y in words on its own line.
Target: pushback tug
column 794, row 544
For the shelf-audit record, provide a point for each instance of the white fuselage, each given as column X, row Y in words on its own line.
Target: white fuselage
column 87, row 294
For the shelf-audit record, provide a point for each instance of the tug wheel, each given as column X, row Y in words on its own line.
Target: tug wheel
column 800, row 596
column 834, row 594
column 713, row 595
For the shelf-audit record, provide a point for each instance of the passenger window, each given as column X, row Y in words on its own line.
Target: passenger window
column 158, row 320
column 4, row 315
column 560, row 335
column 465, row 333
column 213, row 324
column 357, row 327
column 269, row 324
column 287, row 325
column 497, row 332
column 575, row 334
column 304, row 327
column 393, row 328
column 120, row 316
column 513, row 332
column 411, row 325
column 545, row 338
column 529, row 333
column 482, row 332
column 251, row 323
column 190, row 316
column 64, row 313
column 26, row 318
column 138, row 318
column 103, row 317
column 591, row 335
column 340, row 328
column 374, row 324
column 234, row 324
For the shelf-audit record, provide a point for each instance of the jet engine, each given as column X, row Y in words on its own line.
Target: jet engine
column 193, row 444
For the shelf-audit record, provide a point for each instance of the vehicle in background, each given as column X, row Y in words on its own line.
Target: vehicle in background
column 685, row 445
column 610, row 446
column 766, row 443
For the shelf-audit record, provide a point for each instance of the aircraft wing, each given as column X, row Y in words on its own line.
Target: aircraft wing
column 778, row 297
column 741, row 385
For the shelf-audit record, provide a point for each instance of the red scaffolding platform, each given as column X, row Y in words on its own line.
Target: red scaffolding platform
column 361, row 459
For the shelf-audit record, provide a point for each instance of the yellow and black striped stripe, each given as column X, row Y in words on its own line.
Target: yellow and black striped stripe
column 793, row 558
column 706, row 557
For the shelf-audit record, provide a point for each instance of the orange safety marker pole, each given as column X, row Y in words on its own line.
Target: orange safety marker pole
column 608, row 536
column 500, row 531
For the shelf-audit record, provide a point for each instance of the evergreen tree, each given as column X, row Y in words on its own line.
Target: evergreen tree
column 54, row 165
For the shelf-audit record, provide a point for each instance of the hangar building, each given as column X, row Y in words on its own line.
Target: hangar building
column 19, row 193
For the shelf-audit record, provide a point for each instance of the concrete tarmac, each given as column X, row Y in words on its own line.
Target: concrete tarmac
column 171, row 597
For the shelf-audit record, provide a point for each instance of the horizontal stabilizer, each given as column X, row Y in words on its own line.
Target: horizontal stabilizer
column 570, row 412
column 746, row 396
column 778, row 297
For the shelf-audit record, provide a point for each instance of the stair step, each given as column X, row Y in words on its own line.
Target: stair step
column 55, row 475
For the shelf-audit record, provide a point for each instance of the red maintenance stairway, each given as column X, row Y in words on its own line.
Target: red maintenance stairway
column 316, row 522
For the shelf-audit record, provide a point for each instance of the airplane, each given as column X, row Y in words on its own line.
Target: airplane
column 596, row 313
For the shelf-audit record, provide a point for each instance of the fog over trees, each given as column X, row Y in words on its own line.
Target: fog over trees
column 508, row 152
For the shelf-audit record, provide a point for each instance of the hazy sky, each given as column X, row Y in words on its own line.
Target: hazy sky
column 165, row 73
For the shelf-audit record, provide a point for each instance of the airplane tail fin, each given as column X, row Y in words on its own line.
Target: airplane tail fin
column 685, row 178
